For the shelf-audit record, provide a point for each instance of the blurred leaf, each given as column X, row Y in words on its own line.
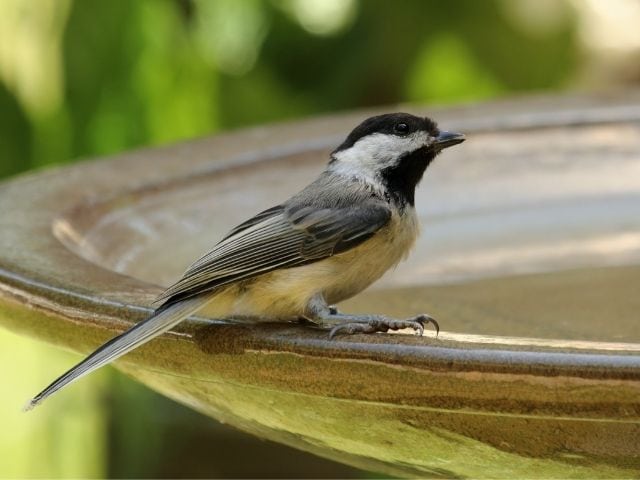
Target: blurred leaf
column 446, row 71
column 15, row 135
column 230, row 33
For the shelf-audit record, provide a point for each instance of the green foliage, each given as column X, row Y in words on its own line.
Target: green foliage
column 15, row 135
column 157, row 71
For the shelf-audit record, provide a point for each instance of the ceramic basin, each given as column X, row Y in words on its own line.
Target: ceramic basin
column 529, row 258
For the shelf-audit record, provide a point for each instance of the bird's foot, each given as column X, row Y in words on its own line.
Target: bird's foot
column 375, row 323
column 327, row 316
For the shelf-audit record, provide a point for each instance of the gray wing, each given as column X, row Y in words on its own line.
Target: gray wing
column 279, row 238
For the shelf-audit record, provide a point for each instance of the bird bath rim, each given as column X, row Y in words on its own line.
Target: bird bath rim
column 46, row 270
column 318, row 135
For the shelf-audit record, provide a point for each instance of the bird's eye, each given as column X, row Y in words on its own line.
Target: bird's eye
column 401, row 128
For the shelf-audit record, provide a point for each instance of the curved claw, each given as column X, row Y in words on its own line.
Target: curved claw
column 425, row 320
column 333, row 331
column 351, row 328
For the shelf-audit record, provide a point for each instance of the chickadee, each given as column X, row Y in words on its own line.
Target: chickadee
column 325, row 244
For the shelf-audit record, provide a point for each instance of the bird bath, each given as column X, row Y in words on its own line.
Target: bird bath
column 529, row 253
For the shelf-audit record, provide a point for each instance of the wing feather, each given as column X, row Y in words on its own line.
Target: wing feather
column 278, row 238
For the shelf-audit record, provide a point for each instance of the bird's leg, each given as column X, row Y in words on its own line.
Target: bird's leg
column 320, row 313
column 340, row 323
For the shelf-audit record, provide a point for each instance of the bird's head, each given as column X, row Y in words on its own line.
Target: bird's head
column 393, row 149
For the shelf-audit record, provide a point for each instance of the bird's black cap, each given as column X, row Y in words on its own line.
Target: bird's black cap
column 390, row 123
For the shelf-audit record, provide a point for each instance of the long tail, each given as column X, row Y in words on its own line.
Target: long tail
column 142, row 332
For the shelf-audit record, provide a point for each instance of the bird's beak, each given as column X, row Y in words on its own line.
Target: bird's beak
column 448, row 139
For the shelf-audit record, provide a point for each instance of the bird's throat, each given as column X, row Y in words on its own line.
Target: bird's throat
column 402, row 178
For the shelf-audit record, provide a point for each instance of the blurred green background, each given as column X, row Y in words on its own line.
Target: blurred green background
column 94, row 77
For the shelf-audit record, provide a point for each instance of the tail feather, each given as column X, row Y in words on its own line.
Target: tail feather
column 161, row 321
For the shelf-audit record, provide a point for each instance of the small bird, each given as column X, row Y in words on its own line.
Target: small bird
column 325, row 244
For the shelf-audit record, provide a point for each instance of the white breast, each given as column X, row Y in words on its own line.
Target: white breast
column 366, row 263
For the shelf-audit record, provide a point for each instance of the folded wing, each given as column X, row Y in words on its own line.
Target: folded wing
column 279, row 238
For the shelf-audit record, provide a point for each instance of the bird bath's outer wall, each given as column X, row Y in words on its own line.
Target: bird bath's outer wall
column 76, row 250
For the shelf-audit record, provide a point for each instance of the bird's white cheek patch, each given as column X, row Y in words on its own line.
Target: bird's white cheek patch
column 376, row 151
